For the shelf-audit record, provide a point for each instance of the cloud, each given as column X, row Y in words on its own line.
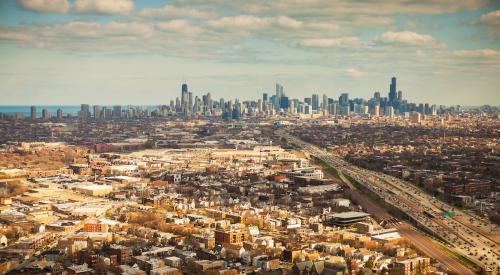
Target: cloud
column 242, row 22
column 407, row 38
column 56, row 6
column 482, row 53
column 342, row 42
column 354, row 72
column 104, row 6
column 491, row 18
column 180, row 26
column 173, row 11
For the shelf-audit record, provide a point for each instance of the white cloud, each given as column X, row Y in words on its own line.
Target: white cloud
column 408, row 38
column 484, row 53
column 342, row 42
column 173, row 11
column 354, row 72
column 104, row 6
column 180, row 26
column 242, row 22
column 491, row 18
column 57, row 6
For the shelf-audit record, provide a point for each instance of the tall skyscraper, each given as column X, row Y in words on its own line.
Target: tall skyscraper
column 45, row 114
column 325, row 102
column 33, row 112
column 315, row 101
column 344, row 99
column 97, row 111
column 84, row 111
column 59, row 114
column 392, row 90
column 117, row 111
column 400, row 96
column 264, row 97
column 277, row 97
column 184, row 95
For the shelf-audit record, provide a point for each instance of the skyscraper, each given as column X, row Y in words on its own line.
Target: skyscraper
column 59, row 114
column 344, row 99
column 392, row 90
column 315, row 101
column 33, row 112
column 97, row 112
column 117, row 111
column 84, row 111
column 325, row 102
column 184, row 95
column 400, row 96
column 45, row 114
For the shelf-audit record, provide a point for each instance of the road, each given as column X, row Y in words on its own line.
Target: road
column 419, row 206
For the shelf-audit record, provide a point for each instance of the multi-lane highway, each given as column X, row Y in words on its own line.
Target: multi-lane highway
column 465, row 239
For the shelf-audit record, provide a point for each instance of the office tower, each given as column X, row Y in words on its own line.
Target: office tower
column 177, row 104
column 426, row 109
column 108, row 113
column 84, row 111
column 291, row 106
column 434, row 109
column 59, row 114
column 45, row 114
column 284, row 103
column 325, row 102
column 308, row 109
column 344, row 99
column 315, row 101
column 209, row 101
column 277, row 97
column 33, row 112
column 97, row 112
column 259, row 105
column 117, row 111
column 421, row 109
column 376, row 110
column 264, row 97
column 221, row 104
column 190, row 101
column 365, row 109
column 389, row 111
column 392, row 90
column 308, row 100
column 400, row 96
column 172, row 105
column 184, row 94
column 333, row 108
column 376, row 96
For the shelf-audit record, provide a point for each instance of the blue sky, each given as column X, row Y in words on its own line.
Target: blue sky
column 139, row 52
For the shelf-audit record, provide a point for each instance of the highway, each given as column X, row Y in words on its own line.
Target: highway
column 464, row 239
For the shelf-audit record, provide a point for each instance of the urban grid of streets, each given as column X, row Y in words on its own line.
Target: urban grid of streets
column 464, row 238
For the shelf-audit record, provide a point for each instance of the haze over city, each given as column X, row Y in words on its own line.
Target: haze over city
column 138, row 52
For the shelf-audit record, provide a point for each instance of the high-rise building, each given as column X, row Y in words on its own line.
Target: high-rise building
column 117, row 111
column 33, row 112
column 315, row 101
column 392, row 91
column 45, row 114
column 84, row 111
column 325, row 102
column 59, row 114
column 264, row 97
column 277, row 97
column 97, row 111
column 376, row 96
column 344, row 99
column 184, row 96
column 400, row 96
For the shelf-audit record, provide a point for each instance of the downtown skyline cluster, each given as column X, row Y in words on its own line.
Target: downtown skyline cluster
column 190, row 105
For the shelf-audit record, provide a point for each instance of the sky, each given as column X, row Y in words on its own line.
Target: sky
column 63, row 52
